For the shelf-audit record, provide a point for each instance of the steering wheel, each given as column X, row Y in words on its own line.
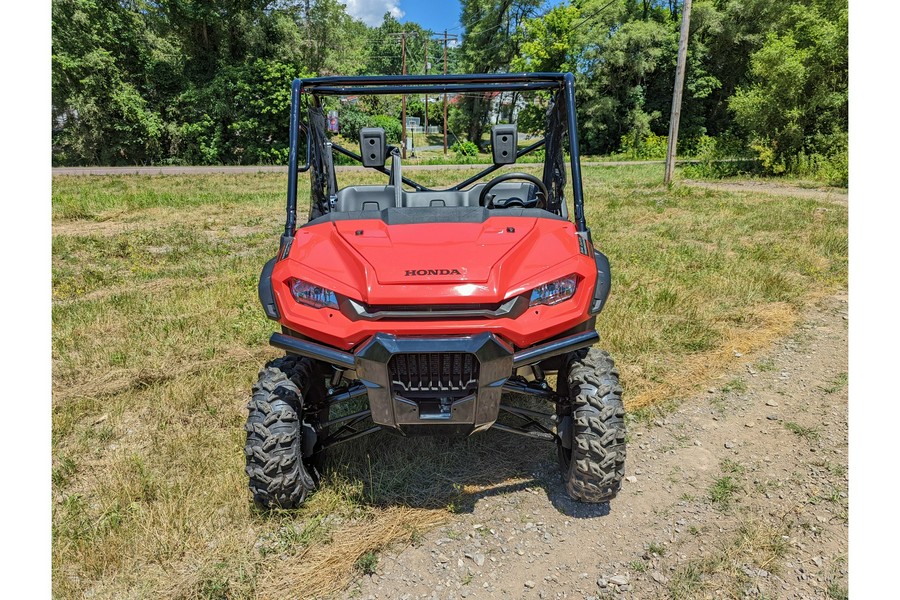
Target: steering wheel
column 539, row 202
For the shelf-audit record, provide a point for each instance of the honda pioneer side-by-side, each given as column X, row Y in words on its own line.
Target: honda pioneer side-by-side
column 439, row 307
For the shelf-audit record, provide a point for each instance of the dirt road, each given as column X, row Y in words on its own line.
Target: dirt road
column 740, row 491
column 828, row 194
column 235, row 169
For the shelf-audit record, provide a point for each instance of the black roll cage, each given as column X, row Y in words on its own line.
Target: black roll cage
column 563, row 83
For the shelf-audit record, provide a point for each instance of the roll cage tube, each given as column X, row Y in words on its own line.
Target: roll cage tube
column 413, row 84
column 293, row 140
column 577, row 191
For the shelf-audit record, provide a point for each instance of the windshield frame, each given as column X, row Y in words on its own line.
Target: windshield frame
column 311, row 89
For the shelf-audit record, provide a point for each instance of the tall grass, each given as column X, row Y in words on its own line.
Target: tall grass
column 158, row 335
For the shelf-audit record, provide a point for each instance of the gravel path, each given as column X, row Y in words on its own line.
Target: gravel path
column 835, row 195
column 739, row 492
column 283, row 169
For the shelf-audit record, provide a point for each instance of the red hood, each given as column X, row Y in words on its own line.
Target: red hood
column 458, row 262
column 413, row 254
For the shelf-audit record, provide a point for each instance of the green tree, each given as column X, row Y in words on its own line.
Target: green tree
column 144, row 81
column 550, row 42
column 619, row 89
column 386, row 57
column 796, row 104
column 333, row 42
column 490, row 43
column 240, row 117
column 102, row 59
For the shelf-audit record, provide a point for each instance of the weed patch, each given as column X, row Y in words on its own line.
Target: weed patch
column 838, row 383
column 735, row 385
column 722, row 491
column 367, row 563
column 809, row 433
column 756, row 544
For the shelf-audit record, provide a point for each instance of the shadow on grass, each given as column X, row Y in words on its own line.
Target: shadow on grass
column 453, row 473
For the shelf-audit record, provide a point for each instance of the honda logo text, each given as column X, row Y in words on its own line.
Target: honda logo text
column 423, row 272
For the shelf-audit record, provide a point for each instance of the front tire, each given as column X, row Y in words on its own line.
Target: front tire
column 592, row 426
column 282, row 459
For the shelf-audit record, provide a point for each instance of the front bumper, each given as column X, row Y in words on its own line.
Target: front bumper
column 441, row 413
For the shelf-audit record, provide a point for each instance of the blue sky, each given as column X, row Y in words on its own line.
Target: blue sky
column 430, row 14
column 436, row 15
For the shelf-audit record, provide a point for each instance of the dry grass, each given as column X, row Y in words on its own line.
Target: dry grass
column 765, row 324
column 157, row 337
column 328, row 568
column 755, row 545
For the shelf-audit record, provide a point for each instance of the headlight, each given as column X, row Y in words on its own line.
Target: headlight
column 312, row 295
column 554, row 292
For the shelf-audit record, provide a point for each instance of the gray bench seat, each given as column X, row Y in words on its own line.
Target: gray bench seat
column 357, row 198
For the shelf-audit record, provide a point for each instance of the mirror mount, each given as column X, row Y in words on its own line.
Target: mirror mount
column 372, row 146
column 504, row 140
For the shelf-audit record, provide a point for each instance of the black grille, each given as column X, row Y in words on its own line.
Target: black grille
column 452, row 374
column 426, row 308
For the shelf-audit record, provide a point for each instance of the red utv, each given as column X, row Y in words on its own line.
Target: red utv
column 434, row 302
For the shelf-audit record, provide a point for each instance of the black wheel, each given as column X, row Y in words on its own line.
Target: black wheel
column 592, row 427
column 283, row 461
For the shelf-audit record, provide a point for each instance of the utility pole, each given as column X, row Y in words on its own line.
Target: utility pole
column 679, row 85
column 426, row 93
column 445, row 94
column 446, row 37
column 403, row 110
column 402, row 35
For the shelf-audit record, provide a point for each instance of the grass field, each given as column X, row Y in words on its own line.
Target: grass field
column 158, row 335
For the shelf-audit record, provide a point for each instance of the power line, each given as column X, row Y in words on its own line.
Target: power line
column 594, row 14
column 446, row 39
column 402, row 36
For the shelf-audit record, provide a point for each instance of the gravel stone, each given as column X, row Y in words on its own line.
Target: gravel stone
column 541, row 544
column 659, row 577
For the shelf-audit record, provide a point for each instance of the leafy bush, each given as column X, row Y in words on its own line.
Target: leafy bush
column 794, row 108
column 238, row 118
column 644, row 147
column 416, row 108
column 392, row 127
column 833, row 169
column 724, row 156
column 465, row 149
column 350, row 121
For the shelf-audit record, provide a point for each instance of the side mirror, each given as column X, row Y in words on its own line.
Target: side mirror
column 503, row 144
column 372, row 146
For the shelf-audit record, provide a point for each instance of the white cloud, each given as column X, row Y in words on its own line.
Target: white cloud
column 371, row 12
